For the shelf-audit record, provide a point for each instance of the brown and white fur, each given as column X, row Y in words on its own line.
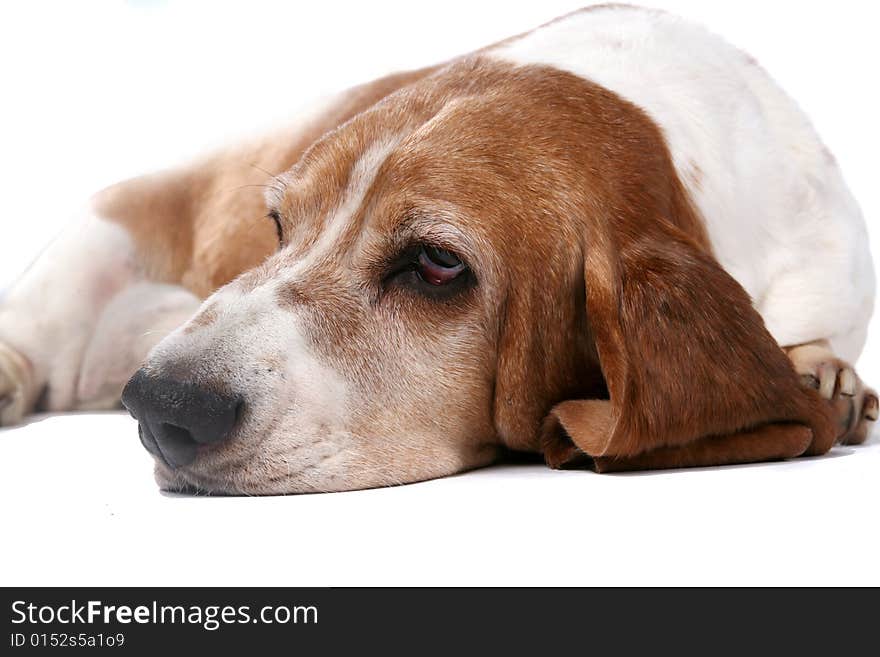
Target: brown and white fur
column 665, row 269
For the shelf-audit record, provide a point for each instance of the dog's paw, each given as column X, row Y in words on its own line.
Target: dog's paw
column 16, row 386
column 855, row 405
column 856, row 413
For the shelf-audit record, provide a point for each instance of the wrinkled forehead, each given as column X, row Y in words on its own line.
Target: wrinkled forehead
column 380, row 176
column 324, row 191
column 434, row 164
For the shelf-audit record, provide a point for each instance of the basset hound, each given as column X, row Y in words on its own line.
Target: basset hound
column 612, row 241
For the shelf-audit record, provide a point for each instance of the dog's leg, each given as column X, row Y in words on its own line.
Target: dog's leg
column 79, row 321
column 855, row 405
column 134, row 321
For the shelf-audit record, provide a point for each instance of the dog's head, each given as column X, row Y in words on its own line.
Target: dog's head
column 478, row 248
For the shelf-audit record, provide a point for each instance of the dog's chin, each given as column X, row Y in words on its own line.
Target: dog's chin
column 330, row 474
column 178, row 482
column 187, row 481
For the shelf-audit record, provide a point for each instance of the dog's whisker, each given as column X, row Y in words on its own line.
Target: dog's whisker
column 251, row 186
column 262, row 170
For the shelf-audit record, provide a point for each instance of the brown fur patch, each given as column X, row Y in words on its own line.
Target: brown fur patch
column 291, row 295
column 202, row 319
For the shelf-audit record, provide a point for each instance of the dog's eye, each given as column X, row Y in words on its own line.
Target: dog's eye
column 430, row 271
column 438, row 266
column 275, row 216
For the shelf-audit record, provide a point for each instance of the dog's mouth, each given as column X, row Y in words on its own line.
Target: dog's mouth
column 215, row 471
column 187, row 490
column 229, row 475
column 184, row 481
column 184, row 455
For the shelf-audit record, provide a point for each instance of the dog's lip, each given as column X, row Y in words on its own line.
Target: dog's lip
column 202, row 453
column 207, row 481
column 213, row 471
column 176, row 482
column 173, row 480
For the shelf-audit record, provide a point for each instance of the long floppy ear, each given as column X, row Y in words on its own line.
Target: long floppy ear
column 693, row 376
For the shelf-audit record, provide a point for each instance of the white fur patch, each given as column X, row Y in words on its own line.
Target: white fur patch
column 778, row 214
column 363, row 174
column 133, row 322
column 255, row 348
column 51, row 312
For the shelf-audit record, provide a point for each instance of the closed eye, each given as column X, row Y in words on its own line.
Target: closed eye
column 275, row 216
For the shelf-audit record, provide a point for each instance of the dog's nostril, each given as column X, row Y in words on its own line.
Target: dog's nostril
column 177, row 417
column 175, row 433
column 239, row 411
column 176, row 444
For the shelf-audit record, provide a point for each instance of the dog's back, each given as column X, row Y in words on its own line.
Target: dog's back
column 780, row 219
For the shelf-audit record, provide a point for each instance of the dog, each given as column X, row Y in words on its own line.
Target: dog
column 612, row 241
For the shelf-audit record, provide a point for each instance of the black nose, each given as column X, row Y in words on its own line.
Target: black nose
column 177, row 417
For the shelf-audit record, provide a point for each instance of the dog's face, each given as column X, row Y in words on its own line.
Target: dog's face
column 409, row 317
column 452, row 263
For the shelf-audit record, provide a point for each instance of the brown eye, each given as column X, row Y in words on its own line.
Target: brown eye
column 438, row 266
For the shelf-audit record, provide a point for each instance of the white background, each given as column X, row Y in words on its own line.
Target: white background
column 94, row 92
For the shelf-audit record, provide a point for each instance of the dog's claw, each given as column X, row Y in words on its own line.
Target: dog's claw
column 871, row 408
column 848, row 382
column 15, row 378
column 835, row 380
column 827, row 380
